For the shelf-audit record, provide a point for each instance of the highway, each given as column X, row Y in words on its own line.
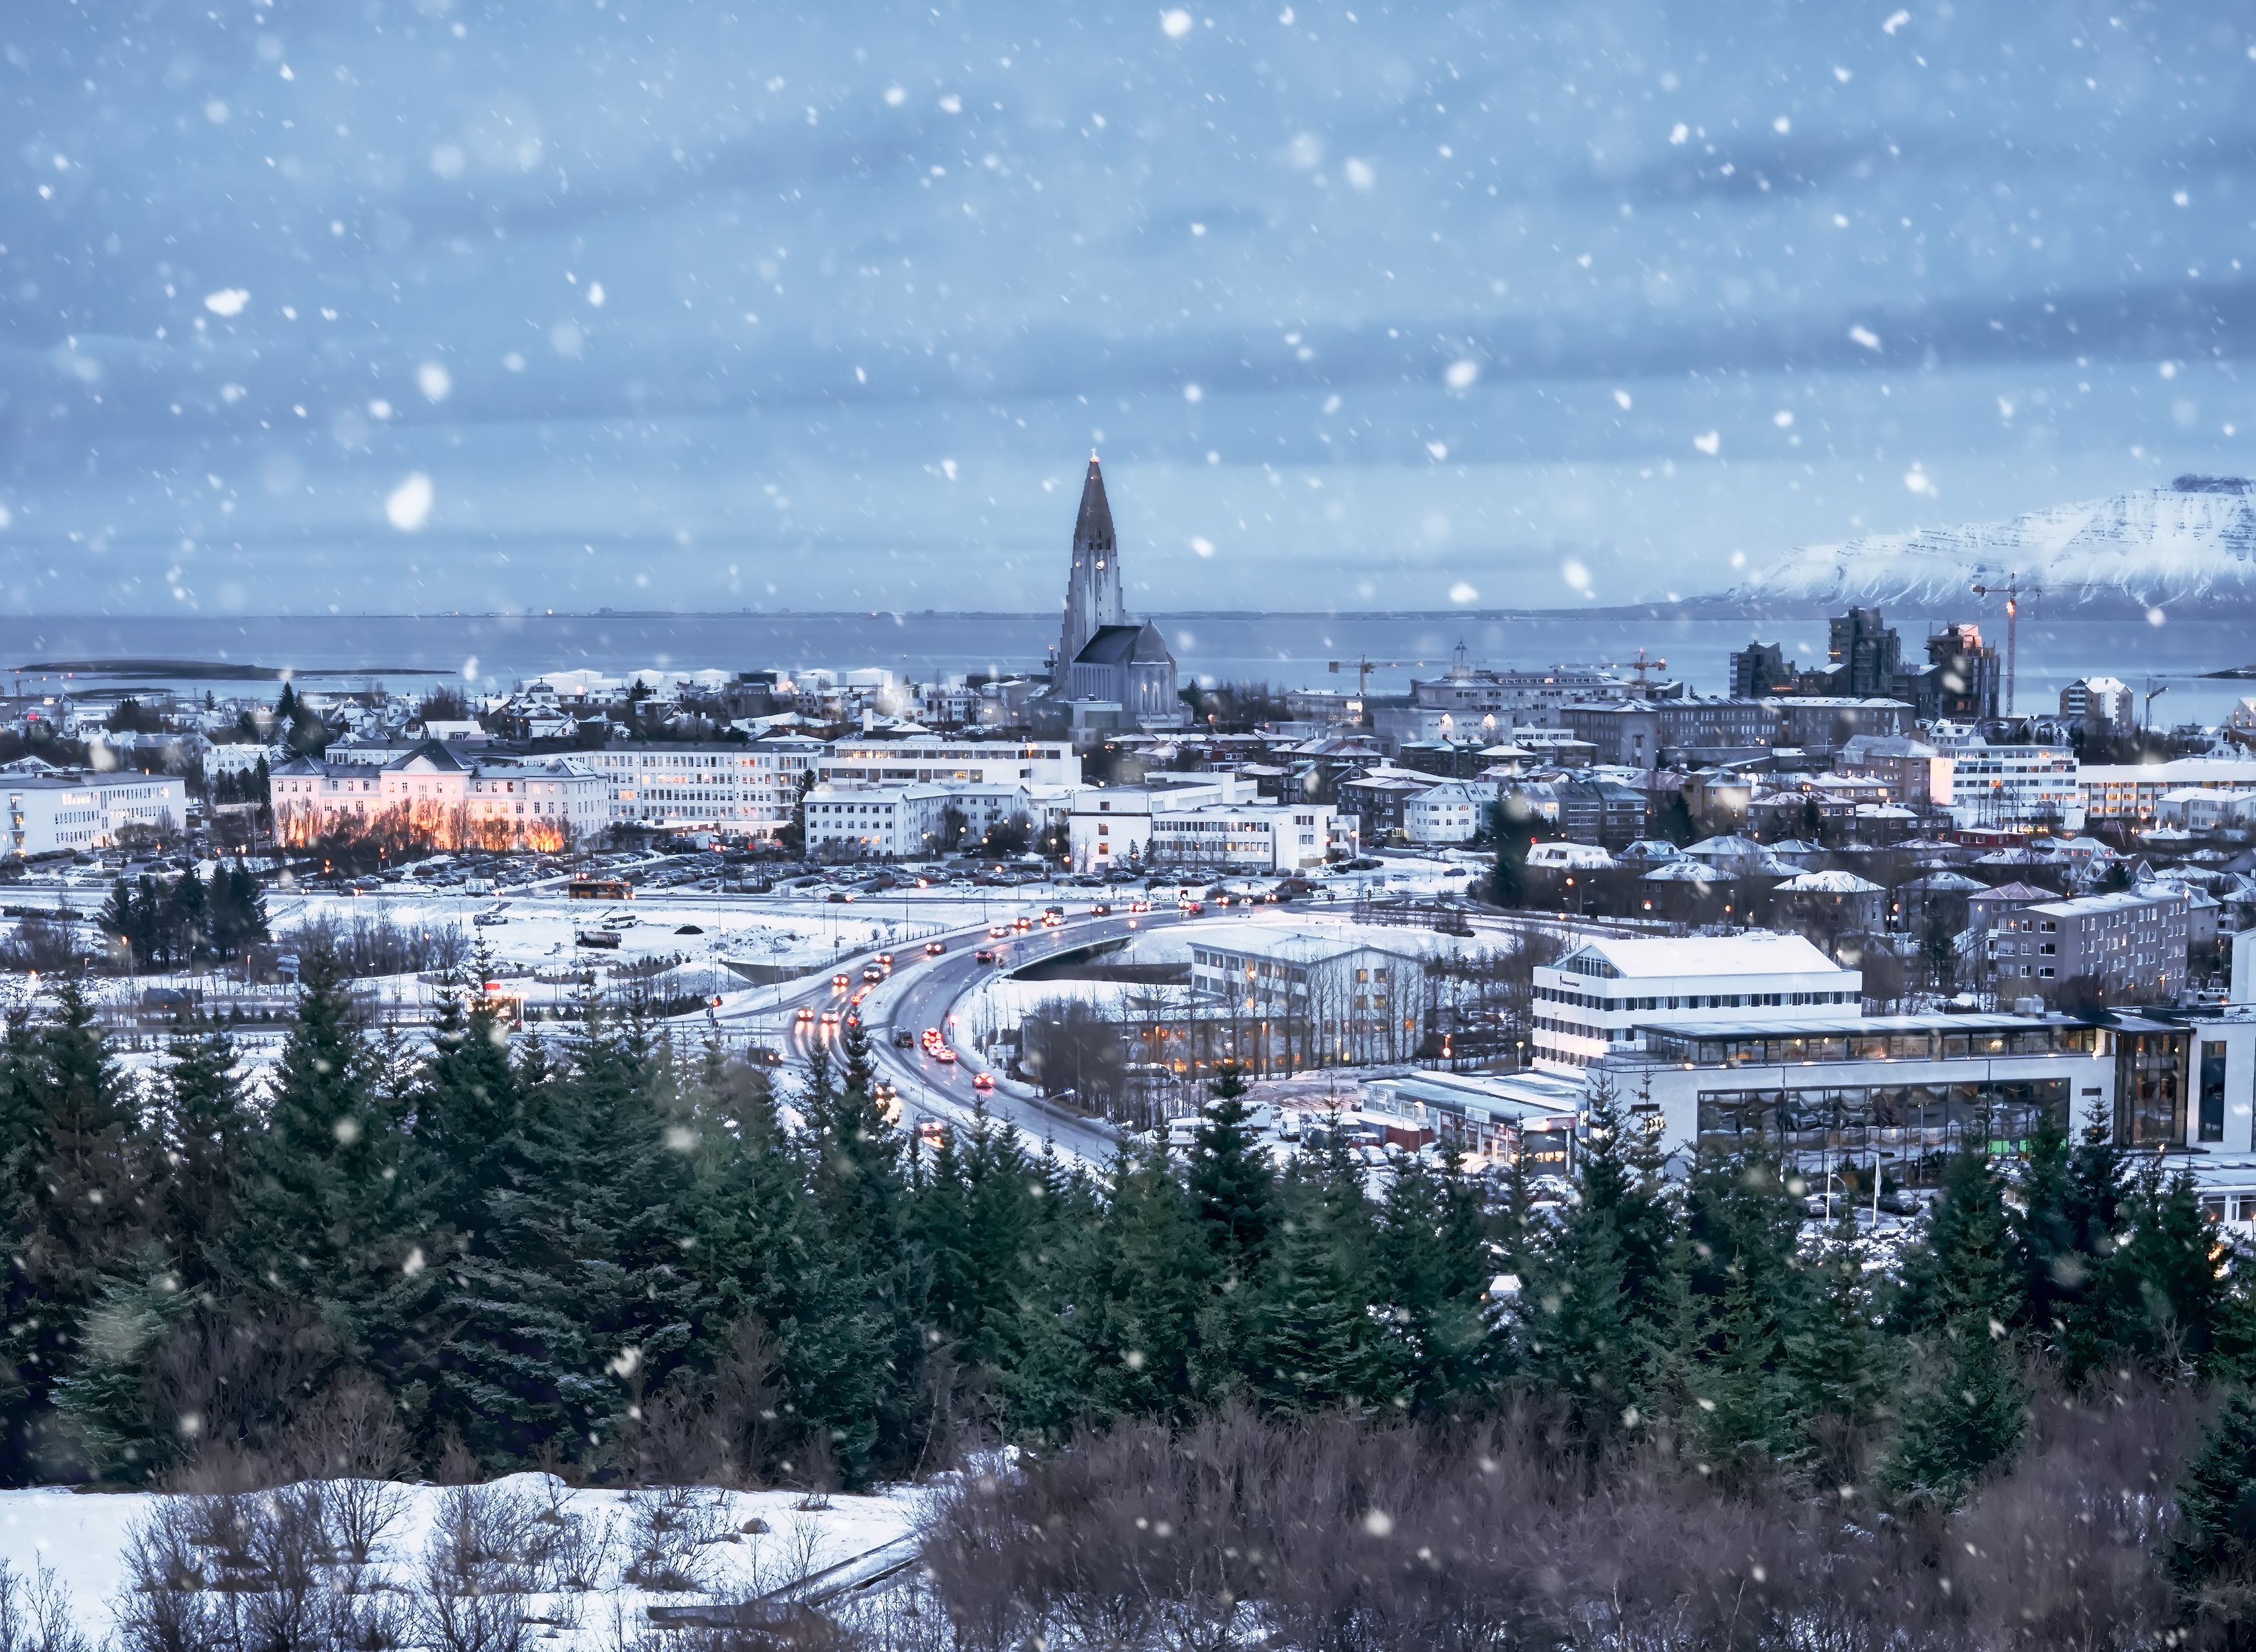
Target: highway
column 923, row 991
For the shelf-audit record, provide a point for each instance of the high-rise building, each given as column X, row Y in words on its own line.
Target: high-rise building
column 1865, row 652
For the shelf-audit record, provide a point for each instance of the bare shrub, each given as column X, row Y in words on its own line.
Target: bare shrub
column 470, row 1593
column 723, row 1428
column 666, row 1528
column 37, row 1615
column 231, row 1383
column 1341, row 1535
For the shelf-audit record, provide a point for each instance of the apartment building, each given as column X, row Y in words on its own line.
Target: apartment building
column 2133, row 943
column 2012, row 786
column 2133, row 792
column 927, row 758
column 909, row 822
column 1109, row 826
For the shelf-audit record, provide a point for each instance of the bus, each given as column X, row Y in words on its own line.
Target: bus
column 600, row 889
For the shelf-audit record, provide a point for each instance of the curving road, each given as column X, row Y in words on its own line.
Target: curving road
column 923, row 991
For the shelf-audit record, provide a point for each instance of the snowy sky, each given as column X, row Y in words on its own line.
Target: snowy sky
column 416, row 305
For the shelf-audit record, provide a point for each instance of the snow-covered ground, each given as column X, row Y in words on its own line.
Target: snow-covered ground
column 730, row 1545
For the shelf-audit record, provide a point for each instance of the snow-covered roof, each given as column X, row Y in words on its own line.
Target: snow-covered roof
column 1830, row 883
column 1755, row 952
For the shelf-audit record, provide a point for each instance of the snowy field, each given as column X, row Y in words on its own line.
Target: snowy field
column 581, row 1563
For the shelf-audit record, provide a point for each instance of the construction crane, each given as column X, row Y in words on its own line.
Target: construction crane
column 1643, row 666
column 1363, row 667
column 2012, row 590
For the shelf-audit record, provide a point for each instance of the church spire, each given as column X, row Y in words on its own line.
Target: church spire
column 1093, row 598
column 1092, row 530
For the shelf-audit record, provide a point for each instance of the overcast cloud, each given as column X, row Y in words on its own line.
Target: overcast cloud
column 554, row 304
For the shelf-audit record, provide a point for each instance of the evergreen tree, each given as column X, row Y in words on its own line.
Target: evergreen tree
column 1314, row 1347
column 76, row 1174
column 581, row 1304
column 1433, row 1268
column 1596, row 1314
column 1965, row 1407
column 1230, row 1174
column 108, row 1399
column 1837, row 1362
column 1154, row 1275
column 468, row 1119
column 2167, row 1280
column 320, row 1223
column 1742, row 1223
column 204, row 1126
column 2211, row 1559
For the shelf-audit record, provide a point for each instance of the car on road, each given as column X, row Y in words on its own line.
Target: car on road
column 1102, row 909
column 1190, row 907
column 930, row 1132
column 841, row 981
column 806, row 1013
column 943, row 1055
column 1022, row 925
column 886, row 961
column 873, row 974
column 830, row 1017
column 1140, row 904
column 487, row 920
column 984, row 1081
column 903, row 1039
column 934, row 948
column 982, row 956
column 997, row 931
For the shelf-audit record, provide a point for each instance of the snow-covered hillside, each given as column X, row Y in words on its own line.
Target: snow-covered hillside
column 2195, row 538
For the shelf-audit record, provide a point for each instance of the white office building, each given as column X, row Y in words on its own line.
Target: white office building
column 1109, row 826
column 66, row 811
column 1591, row 1002
column 739, row 791
column 908, row 822
column 1250, row 838
column 929, row 757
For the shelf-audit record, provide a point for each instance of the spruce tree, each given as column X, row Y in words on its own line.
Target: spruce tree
column 1314, row 1347
column 1965, row 1407
column 2172, row 1299
column 1742, row 1290
column 468, row 1117
column 2211, row 1559
column 1230, row 1174
column 1837, row 1363
column 1598, row 1313
column 110, row 1398
column 582, row 1305
column 77, row 1175
column 1433, row 1268
column 1153, row 1275
column 320, row 1220
column 204, row 1126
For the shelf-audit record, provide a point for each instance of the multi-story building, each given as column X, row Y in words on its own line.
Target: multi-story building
column 64, row 811
column 909, row 822
column 1249, row 838
column 1994, row 787
column 1914, row 773
column 1592, row 1001
column 740, row 791
column 2097, row 702
column 1379, row 798
column 1827, row 1090
column 1313, row 998
column 443, row 798
column 861, row 760
column 2133, row 792
column 1109, row 827
column 1453, row 812
column 2132, row 944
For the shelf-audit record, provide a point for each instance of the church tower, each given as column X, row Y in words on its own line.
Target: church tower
column 1092, row 591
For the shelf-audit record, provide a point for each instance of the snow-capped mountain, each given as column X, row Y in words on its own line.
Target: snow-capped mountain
column 2195, row 538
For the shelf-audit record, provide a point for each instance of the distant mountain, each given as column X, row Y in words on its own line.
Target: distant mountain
column 2195, row 538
